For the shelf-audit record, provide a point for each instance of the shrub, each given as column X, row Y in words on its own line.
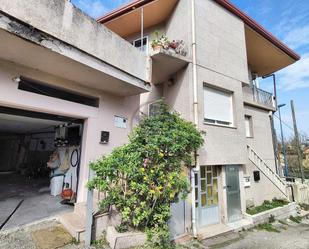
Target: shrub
column 267, row 205
column 142, row 178
column 268, row 227
column 296, row 219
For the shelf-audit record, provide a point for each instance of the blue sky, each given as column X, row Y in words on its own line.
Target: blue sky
column 288, row 20
column 96, row 8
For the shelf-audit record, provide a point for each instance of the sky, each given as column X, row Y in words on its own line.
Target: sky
column 288, row 20
column 97, row 8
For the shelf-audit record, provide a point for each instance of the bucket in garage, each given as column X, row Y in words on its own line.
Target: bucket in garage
column 56, row 184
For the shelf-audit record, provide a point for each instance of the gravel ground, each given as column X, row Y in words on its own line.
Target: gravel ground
column 289, row 235
column 20, row 238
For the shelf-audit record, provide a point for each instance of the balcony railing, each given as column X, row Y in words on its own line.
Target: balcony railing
column 259, row 96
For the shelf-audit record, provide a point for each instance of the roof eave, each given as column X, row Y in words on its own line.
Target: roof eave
column 122, row 10
column 224, row 3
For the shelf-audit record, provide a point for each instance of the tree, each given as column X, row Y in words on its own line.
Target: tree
column 142, row 178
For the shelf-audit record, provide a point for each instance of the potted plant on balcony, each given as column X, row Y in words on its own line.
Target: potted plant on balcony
column 161, row 41
column 174, row 44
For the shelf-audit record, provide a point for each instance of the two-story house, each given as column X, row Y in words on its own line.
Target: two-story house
column 58, row 66
column 214, row 85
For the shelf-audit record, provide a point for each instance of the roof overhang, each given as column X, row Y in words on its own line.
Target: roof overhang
column 263, row 56
column 127, row 19
column 266, row 54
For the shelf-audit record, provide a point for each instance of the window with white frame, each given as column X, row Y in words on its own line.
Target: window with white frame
column 143, row 46
column 248, row 126
column 218, row 106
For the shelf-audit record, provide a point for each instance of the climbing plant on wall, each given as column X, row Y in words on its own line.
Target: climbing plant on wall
column 142, row 178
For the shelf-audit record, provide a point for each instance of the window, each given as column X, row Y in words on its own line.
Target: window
column 218, row 106
column 208, row 186
column 248, row 126
column 37, row 87
column 138, row 44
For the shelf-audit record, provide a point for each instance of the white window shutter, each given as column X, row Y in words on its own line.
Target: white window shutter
column 218, row 105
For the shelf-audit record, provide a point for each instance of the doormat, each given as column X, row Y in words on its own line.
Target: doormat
column 51, row 238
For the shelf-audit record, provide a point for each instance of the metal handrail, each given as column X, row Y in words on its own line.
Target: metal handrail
column 261, row 96
column 281, row 181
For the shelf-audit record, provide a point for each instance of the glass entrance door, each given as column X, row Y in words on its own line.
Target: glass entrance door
column 206, row 196
column 233, row 193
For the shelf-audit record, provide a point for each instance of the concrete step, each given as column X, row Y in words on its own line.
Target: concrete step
column 222, row 240
column 81, row 208
column 214, row 231
column 75, row 224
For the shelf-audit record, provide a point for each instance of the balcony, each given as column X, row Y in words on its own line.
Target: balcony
column 54, row 37
column 258, row 97
column 167, row 58
column 165, row 64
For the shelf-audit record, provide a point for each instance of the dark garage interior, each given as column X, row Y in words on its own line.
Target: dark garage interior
column 39, row 165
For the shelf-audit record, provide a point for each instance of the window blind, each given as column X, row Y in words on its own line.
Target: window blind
column 218, row 105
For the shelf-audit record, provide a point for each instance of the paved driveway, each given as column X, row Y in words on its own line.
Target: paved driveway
column 291, row 235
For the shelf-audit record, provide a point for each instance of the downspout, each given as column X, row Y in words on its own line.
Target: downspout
column 142, row 28
column 195, row 116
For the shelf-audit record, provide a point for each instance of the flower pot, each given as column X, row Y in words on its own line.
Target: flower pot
column 157, row 47
column 173, row 45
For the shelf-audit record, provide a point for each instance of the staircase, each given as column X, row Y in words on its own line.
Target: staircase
column 267, row 171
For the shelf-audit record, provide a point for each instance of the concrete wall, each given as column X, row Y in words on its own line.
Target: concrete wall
column 279, row 213
column 222, row 62
column 221, row 45
column 223, row 145
column 96, row 119
column 178, row 95
column 178, row 27
column 263, row 145
column 62, row 20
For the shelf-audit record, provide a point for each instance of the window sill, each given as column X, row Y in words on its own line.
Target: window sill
column 219, row 125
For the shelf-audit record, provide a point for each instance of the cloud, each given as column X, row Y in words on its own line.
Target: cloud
column 298, row 37
column 295, row 76
column 94, row 8
column 293, row 28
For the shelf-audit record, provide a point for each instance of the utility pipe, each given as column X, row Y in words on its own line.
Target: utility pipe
column 195, row 116
column 142, row 28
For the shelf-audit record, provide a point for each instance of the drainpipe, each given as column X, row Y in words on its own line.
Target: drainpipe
column 195, row 115
column 142, row 28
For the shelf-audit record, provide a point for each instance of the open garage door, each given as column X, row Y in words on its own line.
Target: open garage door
column 39, row 165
